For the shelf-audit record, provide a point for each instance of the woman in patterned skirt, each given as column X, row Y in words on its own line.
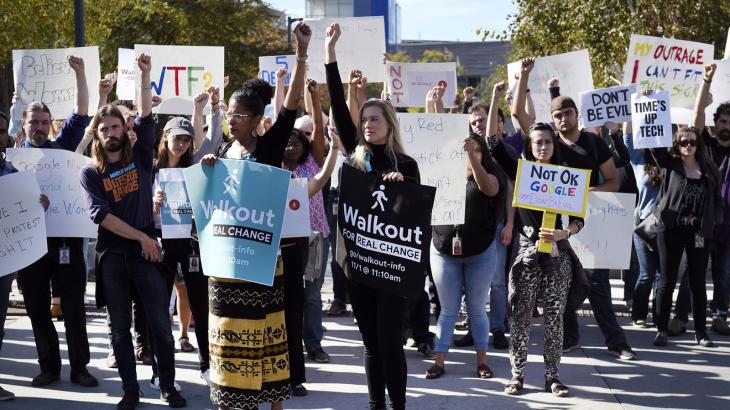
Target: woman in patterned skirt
column 249, row 361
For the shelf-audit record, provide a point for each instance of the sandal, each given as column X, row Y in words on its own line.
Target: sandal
column 484, row 371
column 557, row 388
column 185, row 345
column 435, row 372
column 514, row 386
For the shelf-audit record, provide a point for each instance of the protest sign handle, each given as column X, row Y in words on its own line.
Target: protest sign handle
column 548, row 221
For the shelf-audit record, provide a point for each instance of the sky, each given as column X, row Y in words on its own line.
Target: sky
column 447, row 20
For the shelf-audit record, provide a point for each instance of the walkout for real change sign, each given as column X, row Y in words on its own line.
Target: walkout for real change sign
column 46, row 76
column 409, row 83
column 551, row 188
column 22, row 225
column 179, row 73
column 606, row 104
column 239, row 209
column 126, row 74
column 667, row 64
column 296, row 214
column 572, row 69
column 386, row 229
column 651, row 120
column 605, row 241
column 57, row 172
column 176, row 215
column 360, row 46
column 269, row 64
column 436, row 142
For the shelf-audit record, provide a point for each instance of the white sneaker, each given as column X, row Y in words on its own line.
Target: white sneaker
column 205, row 376
column 155, row 384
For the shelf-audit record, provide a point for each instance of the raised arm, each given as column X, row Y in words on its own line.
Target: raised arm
column 353, row 102
column 518, row 104
column 318, row 181
column 296, row 87
column 105, row 87
column 703, row 97
column 492, row 117
column 145, row 93
column 82, row 89
column 318, row 142
column 198, row 106
column 340, row 113
column 280, row 89
column 431, row 100
column 487, row 183
column 439, row 103
column 468, row 99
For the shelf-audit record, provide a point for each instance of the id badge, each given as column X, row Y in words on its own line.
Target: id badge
column 456, row 246
column 699, row 241
column 64, row 255
column 194, row 263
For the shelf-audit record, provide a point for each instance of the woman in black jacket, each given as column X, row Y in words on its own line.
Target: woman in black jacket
column 375, row 146
column 688, row 208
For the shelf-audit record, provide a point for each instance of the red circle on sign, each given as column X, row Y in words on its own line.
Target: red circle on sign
column 294, row 204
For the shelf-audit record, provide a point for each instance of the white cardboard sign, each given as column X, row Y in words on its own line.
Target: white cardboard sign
column 572, row 69
column 57, row 173
column 269, row 64
column 45, row 76
column 720, row 89
column 727, row 46
column 126, row 74
column 605, row 241
column 651, row 120
column 436, row 142
column 360, row 46
column 296, row 212
column 606, row 104
column 667, row 64
column 22, row 224
column 179, row 73
column 409, row 83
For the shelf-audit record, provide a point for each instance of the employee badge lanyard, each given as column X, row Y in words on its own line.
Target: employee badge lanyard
column 456, row 242
column 64, row 254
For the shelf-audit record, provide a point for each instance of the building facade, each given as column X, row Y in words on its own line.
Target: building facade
column 389, row 9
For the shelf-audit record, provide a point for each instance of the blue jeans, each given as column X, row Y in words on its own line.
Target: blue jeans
column 720, row 277
column 6, row 283
column 312, row 332
column 602, row 305
column 648, row 279
column 473, row 275
column 498, row 295
column 121, row 269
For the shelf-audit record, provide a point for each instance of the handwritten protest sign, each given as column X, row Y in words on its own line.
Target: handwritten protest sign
column 126, row 73
column 386, row 231
column 436, row 142
column 239, row 209
column 361, row 46
column 22, row 225
column 296, row 212
column 727, row 46
column 720, row 89
column 409, row 83
column 176, row 215
column 179, row 73
column 269, row 64
column 551, row 188
column 57, row 172
column 607, row 104
column 572, row 69
column 651, row 120
column 605, row 240
column 46, row 76
column 667, row 64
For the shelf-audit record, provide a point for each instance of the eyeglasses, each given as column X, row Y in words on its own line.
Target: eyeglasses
column 687, row 143
column 236, row 117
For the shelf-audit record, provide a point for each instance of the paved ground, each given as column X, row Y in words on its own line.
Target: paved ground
column 682, row 375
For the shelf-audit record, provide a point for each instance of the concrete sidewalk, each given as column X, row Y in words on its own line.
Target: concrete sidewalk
column 682, row 375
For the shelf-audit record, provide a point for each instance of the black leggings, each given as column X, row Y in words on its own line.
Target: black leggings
column 672, row 243
column 294, row 262
column 380, row 316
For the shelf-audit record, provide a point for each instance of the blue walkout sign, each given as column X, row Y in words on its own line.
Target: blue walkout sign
column 239, row 210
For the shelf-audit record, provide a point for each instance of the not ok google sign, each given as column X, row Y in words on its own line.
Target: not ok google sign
column 551, row 188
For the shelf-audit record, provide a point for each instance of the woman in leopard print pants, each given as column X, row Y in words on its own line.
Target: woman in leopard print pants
column 535, row 275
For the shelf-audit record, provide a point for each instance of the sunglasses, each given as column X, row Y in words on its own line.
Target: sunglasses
column 687, row 143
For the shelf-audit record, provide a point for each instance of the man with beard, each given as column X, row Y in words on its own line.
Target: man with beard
column 582, row 149
column 719, row 149
column 65, row 256
column 118, row 187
